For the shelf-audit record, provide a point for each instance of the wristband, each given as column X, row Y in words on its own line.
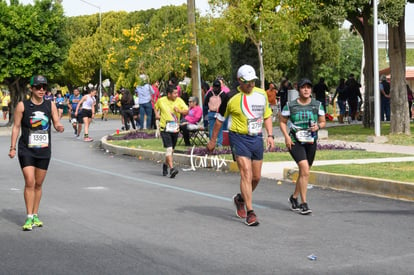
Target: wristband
column 272, row 136
column 12, row 148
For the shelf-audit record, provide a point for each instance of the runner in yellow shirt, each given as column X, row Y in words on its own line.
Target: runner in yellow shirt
column 5, row 104
column 168, row 110
column 249, row 109
column 105, row 106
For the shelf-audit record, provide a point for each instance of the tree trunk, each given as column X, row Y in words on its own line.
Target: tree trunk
column 365, row 29
column 305, row 60
column 369, row 110
column 17, row 94
column 400, row 121
column 261, row 65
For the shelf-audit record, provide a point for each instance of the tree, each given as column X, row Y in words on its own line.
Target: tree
column 32, row 42
column 394, row 15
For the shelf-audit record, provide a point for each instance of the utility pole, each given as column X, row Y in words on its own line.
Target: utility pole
column 195, row 66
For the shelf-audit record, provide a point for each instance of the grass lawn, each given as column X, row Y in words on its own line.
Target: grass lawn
column 399, row 171
column 360, row 134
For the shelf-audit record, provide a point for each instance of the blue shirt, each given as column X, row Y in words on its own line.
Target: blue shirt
column 144, row 93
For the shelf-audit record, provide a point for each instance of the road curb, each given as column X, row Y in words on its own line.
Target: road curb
column 358, row 184
column 193, row 161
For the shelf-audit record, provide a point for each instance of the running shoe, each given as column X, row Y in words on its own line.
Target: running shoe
column 251, row 219
column 240, row 206
column 164, row 169
column 304, row 209
column 88, row 139
column 294, row 205
column 173, row 172
column 36, row 221
column 28, row 225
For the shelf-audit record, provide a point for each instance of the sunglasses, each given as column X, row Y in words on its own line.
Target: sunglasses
column 244, row 81
column 40, row 86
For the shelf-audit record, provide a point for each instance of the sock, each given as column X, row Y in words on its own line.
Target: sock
column 85, row 135
column 30, row 216
column 250, row 211
column 35, row 215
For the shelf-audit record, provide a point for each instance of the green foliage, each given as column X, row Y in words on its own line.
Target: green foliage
column 32, row 42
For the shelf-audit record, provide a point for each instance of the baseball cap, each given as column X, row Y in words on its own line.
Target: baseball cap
column 303, row 82
column 247, row 72
column 38, row 79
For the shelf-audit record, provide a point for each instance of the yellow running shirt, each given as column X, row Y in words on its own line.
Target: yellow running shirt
column 166, row 110
column 247, row 111
column 105, row 102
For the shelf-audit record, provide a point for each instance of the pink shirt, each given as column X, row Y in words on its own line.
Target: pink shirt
column 194, row 115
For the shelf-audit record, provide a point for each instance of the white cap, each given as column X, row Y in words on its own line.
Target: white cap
column 247, row 72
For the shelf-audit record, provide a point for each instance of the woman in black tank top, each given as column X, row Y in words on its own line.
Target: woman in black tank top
column 34, row 117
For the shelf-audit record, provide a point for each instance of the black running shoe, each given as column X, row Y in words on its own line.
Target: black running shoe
column 251, row 219
column 164, row 169
column 173, row 172
column 294, row 205
column 304, row 209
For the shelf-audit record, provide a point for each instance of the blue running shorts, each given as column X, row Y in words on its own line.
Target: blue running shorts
column 246, row 146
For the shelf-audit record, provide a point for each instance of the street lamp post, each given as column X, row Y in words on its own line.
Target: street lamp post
column 100, row 66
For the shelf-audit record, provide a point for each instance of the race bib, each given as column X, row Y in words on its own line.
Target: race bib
column 172, row 127
column 254, row 126
column 304, row 136
column 38, row 139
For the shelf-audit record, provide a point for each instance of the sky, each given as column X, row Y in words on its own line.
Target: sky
column 79, row 7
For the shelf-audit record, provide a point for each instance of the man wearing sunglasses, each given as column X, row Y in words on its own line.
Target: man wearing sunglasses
column 249, row 109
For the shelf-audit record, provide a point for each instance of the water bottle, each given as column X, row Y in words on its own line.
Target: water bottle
column 313, row 134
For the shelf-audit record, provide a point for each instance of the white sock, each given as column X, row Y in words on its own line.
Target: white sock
column 30, row 216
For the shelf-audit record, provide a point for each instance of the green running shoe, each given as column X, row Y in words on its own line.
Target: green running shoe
column 36, row 221
column 28, row 225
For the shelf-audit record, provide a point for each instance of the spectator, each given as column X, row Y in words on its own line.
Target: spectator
column 410, row 101
column 213, row 101
column 145, row 93
column 283, row 93
column 271, row 96
column 154, row 99
column 320, row 90
column 385, row 90
column 340, row 91
column 127, row 102
column 189, row 122
column 352, row 91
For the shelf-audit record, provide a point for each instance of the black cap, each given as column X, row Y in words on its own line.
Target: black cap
column 216, row 83
column 303, row 82
column 38, row 79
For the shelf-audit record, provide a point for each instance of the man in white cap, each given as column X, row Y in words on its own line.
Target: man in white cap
column 249, row 109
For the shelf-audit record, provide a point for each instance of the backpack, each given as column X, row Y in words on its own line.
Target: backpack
column 214, row 102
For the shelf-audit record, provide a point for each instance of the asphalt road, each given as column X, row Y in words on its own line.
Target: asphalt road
column 107, row 214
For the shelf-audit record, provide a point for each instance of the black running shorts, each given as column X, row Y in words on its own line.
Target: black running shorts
column 32, row 161
column 303, row 151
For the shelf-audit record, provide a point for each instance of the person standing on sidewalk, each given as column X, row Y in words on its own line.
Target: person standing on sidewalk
column 249, row 109
column 34, row 117
column 307, row 116
column 168, row 110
